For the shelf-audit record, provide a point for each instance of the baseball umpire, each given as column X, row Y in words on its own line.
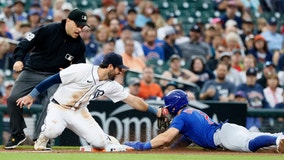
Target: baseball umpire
column 53, row 47
column 196, row 126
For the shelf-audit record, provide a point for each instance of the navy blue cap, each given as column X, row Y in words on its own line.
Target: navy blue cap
column 115, row 60
column 272, row 21
column 195, row 28
column 251, row 72
column 132, row 10
column 269, row 63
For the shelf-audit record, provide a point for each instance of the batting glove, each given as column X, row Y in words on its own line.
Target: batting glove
column 139, row 146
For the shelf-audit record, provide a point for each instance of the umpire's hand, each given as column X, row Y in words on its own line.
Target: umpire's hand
column 26, row 100
column 18, row 66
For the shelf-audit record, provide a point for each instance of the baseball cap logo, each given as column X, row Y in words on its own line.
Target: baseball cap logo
column 79, row 17
column 84, row 17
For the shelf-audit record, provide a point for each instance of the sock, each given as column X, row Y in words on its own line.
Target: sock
column 261, row 141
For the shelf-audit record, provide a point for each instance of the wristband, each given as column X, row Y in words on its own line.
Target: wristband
column 147, row 146
column 34, row 93
column 152, row 110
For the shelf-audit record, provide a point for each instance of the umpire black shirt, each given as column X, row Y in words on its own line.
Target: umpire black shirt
column 51, row 49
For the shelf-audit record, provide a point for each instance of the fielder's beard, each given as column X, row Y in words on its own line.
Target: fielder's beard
column 111, row 75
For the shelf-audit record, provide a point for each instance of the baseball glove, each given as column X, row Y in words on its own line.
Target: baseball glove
column 165, row 120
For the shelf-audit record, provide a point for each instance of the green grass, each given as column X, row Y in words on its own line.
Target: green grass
column 72, row 153
column 132, row 156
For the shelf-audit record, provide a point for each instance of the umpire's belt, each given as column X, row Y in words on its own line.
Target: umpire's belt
column 63, row 106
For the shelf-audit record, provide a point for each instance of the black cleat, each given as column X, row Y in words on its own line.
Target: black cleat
column 15, row 141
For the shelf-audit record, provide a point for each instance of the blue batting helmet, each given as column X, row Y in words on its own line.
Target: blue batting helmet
column 175, row 100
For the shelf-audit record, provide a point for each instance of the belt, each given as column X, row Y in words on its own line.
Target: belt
column 54, row 101
column 63, row 106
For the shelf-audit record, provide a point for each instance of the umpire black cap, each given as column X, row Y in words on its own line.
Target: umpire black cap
column 79, row 17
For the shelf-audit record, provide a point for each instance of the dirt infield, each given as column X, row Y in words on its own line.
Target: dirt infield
column 189, row 150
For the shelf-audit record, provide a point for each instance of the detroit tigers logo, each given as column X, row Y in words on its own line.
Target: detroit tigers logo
column 99, row 93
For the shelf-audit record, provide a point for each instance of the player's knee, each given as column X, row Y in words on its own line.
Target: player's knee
column 97, row 142
column 52, row 132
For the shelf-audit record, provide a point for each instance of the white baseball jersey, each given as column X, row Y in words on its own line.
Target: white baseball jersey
column 80, row 83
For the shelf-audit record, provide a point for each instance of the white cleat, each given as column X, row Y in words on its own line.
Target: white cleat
column 280, row 144
column 112, row 140
column 40, row 143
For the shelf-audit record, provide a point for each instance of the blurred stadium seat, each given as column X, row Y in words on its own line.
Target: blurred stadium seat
column 86, row 4
column 129, row 74
column 158, row 65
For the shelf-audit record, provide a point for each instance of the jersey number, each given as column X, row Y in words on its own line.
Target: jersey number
column 207, row 118
column 30, row 36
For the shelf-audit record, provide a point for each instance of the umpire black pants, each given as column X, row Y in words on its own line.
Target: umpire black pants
column 24, row 84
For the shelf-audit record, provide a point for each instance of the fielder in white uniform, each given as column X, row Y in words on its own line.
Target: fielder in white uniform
column 80, row 83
